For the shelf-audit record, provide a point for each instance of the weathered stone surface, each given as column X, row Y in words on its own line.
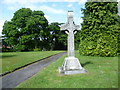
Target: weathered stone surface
column 70, row 27
column 71, row 64
column 69, row 72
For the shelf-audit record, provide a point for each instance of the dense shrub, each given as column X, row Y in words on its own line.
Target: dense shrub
column 100, row 30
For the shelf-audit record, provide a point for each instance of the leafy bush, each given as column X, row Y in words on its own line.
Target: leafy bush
column 37, row 49
column 106, row 45
column 18, row 47
column 100, row 30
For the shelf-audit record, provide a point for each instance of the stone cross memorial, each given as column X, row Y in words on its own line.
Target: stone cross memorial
column 71, row 64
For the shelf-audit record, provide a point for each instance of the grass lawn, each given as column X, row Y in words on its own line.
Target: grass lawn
column 12, row 60
column 102, row 73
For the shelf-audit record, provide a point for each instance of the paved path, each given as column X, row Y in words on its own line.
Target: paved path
column 15, row 78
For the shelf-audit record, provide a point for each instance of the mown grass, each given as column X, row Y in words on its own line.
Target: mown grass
column 102, row 73
column 12, row 60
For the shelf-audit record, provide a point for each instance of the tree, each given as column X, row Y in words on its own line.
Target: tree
column 26, row 30
column 77, row 40
column 100, row 29
column 57, row 39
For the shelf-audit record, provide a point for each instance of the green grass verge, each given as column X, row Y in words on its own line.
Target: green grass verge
column 12, row 60
column 102, row 73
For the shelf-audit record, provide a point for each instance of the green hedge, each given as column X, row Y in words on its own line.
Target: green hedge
column 100, row 30
column 106, row 45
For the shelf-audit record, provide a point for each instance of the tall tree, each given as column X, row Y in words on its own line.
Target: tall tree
column 100, row 29
column 26, row 30
column 57, row 38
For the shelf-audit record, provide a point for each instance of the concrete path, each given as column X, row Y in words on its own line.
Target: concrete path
column 13, row 79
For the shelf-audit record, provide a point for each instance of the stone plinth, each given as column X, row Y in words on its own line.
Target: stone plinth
column 71, row 65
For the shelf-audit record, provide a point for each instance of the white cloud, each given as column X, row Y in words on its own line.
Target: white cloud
column 31, row 6
column 52, row 10
column 36, row 7
column 14, row 7
column 70, row 5
column 22, row 1
column 70, row 0
column 13, row 1
column 1, row 26
column 78, row 20
column 47, row 17
column 82, row 2
column 54, row 5
column 81, row 20
column 34, row 1
column 46, row 8
column 16, row 4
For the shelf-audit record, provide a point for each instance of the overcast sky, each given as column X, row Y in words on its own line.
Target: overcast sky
column 54, row 10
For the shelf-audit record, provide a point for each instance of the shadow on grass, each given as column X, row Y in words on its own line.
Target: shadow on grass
column 86, row 63
column 7, row 56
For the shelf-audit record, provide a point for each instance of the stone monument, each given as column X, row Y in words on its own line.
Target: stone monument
column 71, row 64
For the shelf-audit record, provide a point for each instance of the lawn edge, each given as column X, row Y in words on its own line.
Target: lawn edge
column 8, row 72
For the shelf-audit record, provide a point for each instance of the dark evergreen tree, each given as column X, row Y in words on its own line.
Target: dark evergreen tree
column 100, row 29
column 57, row 38
column 77, row 40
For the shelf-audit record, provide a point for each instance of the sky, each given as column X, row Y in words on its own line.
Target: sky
column 54, row 10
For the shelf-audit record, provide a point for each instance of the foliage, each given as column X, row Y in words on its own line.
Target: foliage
column 100, row 29
column 37, row 49
column 29, row 30
column 77, row 40
column 57, row 39
column 26, row 30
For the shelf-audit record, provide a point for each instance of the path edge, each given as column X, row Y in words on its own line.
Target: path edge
column 8, row 72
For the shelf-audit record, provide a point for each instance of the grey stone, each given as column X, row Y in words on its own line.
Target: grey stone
column 69, row 72
column 71, row 64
